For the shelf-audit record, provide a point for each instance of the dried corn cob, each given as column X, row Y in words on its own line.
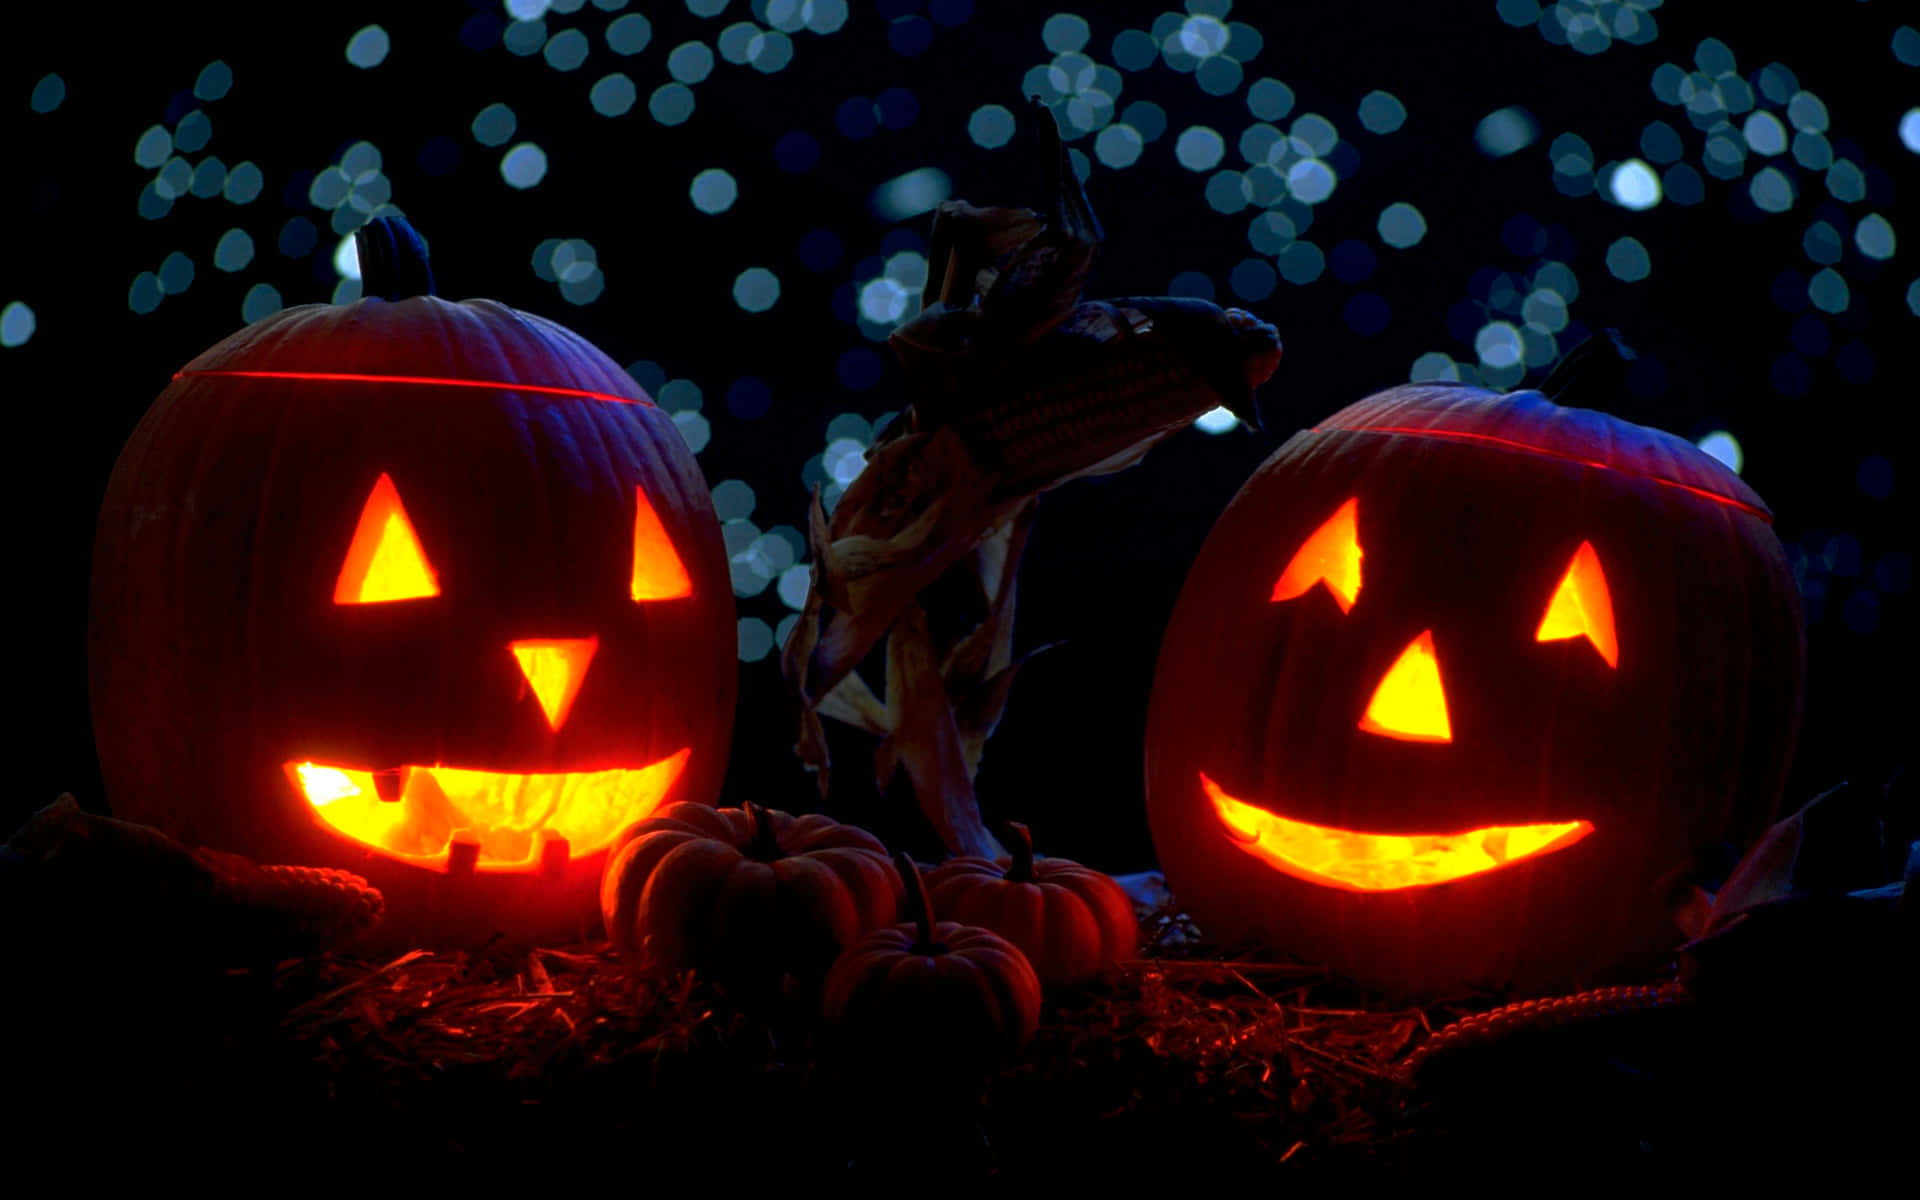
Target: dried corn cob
column 88, row 879
column 295, row 906
column 1095, row 394
column 1581, row 1008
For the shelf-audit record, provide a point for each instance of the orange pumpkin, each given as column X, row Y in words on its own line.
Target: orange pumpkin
column 428, row 591
column 1070, row 921
column 744, row 895
column 938, row 999
column 1456, row 678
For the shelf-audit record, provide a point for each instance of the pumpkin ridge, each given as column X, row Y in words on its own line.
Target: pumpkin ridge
column 867, row 875
column 805, row 885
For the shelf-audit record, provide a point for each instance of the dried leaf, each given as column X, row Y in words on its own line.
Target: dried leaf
column 852, row 702
column 1766, row 871
column 1831, row 843
column 927, row 741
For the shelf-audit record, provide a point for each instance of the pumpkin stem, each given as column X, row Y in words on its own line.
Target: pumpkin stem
column 919, row 910
column 764, row 847
column 1020, row 845
column 393, row 259
column 1593, row 374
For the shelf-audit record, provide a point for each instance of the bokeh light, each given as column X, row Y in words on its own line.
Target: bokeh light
column 1119, row 146
column 1199, row 148
column 755, row 638
column 494, row 125
column 1401, row 225
column 1065, row 32
column 1506, row 130
column 1216, row 421
column 17, row 323
column 1253, row 279
column 368, row 48
column 629, row 34
column 756, row 289
column 1634, row 185
column 690, row 62
column 1828, row 291
column 1301, row 262
column 1382, row 112
column 909, row 195
column 1725, row 447
column 1310, row 181
column 1628, row 260
column 713, row 190
column 1764, row 133
column 991, row 126
column 1772, row 190
column 48, row 94
column 613, row 95
column 524, row 166
column 262, row 300
column 1269, row 99
column 671, row 103
column 1874, row 236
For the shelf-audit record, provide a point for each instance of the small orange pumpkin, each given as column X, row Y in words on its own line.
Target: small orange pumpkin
column 744, row 895
column 951, row 999
column 1070, row 921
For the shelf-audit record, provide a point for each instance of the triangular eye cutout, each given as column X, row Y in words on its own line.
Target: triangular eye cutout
column 1330, row 555
column 384, row 561
column 1581, row 607
column 658, row 573
column 1410, row 704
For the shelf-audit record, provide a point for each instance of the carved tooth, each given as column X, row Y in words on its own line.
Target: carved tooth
column 463, row 853
column 391, row 782
column 552, row 851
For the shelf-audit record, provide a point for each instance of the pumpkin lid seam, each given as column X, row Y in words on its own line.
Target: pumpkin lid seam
column 423, row 380
column 1487, row 439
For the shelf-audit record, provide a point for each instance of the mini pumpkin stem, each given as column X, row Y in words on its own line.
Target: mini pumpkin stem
column 764, row 847
column 393, row 259
column 1020, row 846
column 919, row 910
column 1593, row 374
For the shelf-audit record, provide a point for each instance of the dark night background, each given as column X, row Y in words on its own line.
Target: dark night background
column 1739, row 323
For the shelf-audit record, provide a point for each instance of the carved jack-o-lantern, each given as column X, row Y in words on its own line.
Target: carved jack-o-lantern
column 1456, row 678
column 427, row 590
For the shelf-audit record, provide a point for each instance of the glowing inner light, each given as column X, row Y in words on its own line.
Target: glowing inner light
column 1375, row 862
column 1330, row 555
column 1410, row 704
column 385, row 561
column 324, row 785
column 504, row 810
column 658, row 573
column 1581, row 607
column 555, row 668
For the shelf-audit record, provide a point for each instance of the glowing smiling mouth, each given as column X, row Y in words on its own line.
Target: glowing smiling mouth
column 1378, row 862
column 440, row 816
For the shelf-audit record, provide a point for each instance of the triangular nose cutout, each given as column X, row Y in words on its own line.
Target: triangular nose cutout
column 1410, row 704
column 555, row 668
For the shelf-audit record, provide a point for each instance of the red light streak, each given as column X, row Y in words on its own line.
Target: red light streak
column 426, row 380
column 1542, row 452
